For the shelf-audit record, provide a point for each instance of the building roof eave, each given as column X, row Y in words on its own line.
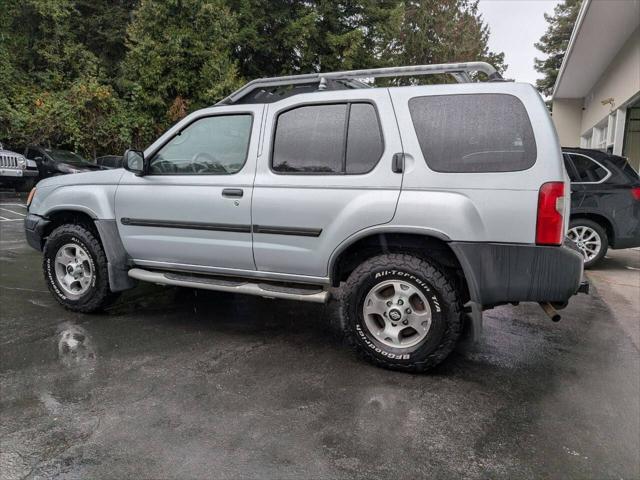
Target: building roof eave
column 572, row 40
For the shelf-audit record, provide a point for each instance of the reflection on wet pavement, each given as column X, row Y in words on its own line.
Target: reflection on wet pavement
column 172, row 383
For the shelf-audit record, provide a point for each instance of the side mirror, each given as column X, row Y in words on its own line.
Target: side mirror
column 133, row 160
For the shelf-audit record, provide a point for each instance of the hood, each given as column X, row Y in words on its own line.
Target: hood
column 9, row 152
column 72, row 168
column 101, row 177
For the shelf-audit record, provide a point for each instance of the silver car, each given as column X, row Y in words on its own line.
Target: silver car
column 416, row 207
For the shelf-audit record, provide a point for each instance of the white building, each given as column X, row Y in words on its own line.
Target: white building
column 596, row 98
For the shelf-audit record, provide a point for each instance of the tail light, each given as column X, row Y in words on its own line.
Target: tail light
column 550, row 210
column 635, row 191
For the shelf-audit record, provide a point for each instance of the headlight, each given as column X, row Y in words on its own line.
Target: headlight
column 21, row 162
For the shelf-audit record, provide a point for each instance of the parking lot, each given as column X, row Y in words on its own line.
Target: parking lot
column 191, row 384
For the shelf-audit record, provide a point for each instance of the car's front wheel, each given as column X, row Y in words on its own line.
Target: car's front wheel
column 590, row 238
column 75, row 268
column 401, row 312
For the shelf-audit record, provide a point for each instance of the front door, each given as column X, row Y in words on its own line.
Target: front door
column 192, row 210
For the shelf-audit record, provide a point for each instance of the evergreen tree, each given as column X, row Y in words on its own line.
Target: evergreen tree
column 443, row 31
column 554, row 43
column 101, row 26
column 40, row 38
column 279, row 37
column 100, row 75
column 179, row 57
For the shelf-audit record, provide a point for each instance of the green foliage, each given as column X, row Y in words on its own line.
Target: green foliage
column 554, row 43
column 179, row 57
column 444, row 31
column 279, row 37
column 100, row 75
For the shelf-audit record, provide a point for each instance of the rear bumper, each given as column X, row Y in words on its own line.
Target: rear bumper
column 34, row 226
column 501, row 273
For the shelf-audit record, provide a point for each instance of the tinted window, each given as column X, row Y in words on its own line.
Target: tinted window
column 32, row 154
column 209, row 146
column 364, row 138
column 588, row 170
column 311, row 139
column 65, row 156
column 573, row 176
column 473, row 133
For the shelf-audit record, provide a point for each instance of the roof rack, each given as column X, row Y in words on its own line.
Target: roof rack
column 267, row 90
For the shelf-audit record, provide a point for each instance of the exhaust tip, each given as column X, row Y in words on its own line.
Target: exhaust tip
column 551, row 312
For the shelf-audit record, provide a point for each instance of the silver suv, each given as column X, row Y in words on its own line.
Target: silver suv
column 421, row 206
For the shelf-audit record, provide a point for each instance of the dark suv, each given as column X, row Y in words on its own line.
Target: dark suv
column 52, row 161
column 605, row 202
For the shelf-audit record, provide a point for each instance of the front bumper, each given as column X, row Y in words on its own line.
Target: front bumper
column 17, row 173
column 499, row 273
column 34, row 226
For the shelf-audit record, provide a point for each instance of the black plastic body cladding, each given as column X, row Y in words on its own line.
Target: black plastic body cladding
column 499, row 273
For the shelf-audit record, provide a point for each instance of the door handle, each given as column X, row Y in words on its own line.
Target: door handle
column 397, row 163
column 232, row 192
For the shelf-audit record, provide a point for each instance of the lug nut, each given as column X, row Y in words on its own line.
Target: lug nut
column 400, row 302
column 389, row 303
column 405, row 322
column 394, row 324
column 408, row 310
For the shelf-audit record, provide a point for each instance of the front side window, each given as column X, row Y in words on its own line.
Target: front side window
column 331, row 139
column 588, row 170
column 209, row 146
column 473, row 133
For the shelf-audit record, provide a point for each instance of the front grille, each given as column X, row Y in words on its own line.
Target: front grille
column 8, row 161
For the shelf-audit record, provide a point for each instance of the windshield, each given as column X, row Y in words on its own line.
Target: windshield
column 66, row 156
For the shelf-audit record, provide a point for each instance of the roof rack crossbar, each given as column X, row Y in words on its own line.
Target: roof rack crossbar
column 460, row 71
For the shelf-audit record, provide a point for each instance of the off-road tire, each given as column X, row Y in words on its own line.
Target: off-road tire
column 444, row 301
column 99, row 294
column 604, row 239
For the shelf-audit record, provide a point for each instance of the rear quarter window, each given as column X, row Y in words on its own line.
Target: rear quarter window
column 473, row 133
column 588, row 170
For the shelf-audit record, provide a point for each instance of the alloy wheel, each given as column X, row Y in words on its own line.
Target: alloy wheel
column 74, row 270
column 397, row 314
column 587, row 240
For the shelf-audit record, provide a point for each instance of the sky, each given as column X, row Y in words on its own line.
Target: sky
column 515, row 26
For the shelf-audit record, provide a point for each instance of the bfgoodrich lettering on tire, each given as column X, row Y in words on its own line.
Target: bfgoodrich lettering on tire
column 75, row 269
column 401, row 312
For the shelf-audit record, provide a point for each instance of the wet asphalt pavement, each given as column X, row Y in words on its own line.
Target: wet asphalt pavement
column 174, row 383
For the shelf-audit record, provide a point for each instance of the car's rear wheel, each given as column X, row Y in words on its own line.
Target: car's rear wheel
column 401, row 312
column 590, row 238
column 75, row 268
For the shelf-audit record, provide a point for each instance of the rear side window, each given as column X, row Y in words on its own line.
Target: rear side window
column 333, row 139
column 588, row 170
column 573, row 175
column 473, row 133
column 364, row 138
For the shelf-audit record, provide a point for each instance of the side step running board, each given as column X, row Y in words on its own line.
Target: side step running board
column 231, row 285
